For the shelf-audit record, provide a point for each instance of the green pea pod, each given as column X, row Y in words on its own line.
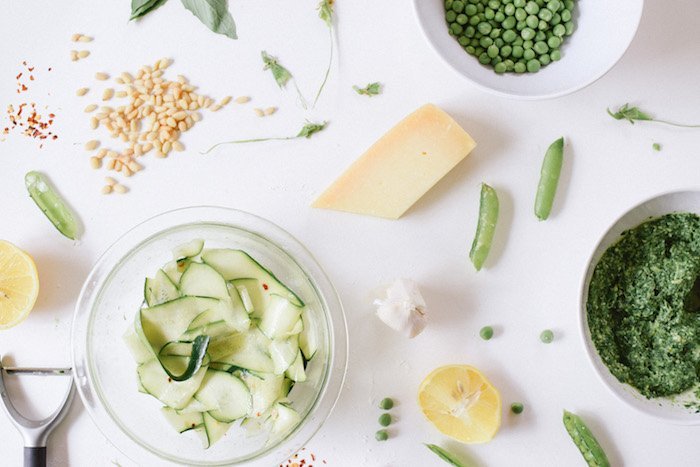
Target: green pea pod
column 585, row 441
column 51, row 204
column 486, row 227
column 549, row 179
column 445, row 455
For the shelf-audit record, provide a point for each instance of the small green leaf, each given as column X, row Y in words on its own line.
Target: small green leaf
column 445, row 455
column 310, row 129
column 140, row 8
column 214, row 14
column 631, row 114
column 325, row 12
column 280, row 73
column 656, row 147
column 370, row 90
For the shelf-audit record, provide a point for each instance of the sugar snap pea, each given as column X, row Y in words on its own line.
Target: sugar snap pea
column 445, row 455
column 549, row 179
column 486, row 227
column 585, row 441
column 51, row 204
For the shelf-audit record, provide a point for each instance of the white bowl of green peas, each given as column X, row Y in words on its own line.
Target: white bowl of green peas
column 530, row 49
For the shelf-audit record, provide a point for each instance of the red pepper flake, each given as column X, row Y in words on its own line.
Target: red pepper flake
column 265, row 286
column 18, row 76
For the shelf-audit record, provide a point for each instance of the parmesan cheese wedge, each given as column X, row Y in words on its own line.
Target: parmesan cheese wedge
column 401, row 167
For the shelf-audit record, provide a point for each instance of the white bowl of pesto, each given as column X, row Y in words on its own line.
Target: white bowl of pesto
column 603, row 31
column 639, row 304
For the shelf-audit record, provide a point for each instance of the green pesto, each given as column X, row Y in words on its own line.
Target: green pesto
column 644, row 306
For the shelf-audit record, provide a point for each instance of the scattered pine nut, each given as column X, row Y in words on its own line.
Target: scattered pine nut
column 215, row 108
column 94, row 123
column 101, row 76
column 92, row 145
column 75, row 37
column 178, row 146
column 74, row 55
column 225, row 100
column 107, row 94
column 90, row 108
column 82, row 91
column 121, row 94
column 101, row 153
column 259, row 112
column 119, row 188
column 84, row 38
column 83, row 54
column 242, row 100
column 111, row 165
column 95, row 162
column 110, row 181
column 270, row 110
column 107, row 189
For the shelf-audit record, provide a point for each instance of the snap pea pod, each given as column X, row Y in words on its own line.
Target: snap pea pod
column 585, row 441
column 445, row 455
column 486, row 227
column 549, row 179
column 51, row 204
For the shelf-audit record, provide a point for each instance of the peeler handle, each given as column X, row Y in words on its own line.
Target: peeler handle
column 35, row 456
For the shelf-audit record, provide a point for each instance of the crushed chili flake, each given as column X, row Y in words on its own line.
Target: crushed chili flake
column 300, row 459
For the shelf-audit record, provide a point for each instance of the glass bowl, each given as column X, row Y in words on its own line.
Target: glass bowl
column 105, row 372
column 670, row 409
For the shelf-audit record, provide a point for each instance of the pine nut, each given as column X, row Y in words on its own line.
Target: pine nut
column 90, row 108
column 82, row 91
column 83, row 54
column 75, row 37
column 215, row 108
column 101, row 76
column 92, row 145
column 270, row 110
column 121, row 94
column 107, row 94
column 107, row 189
column 74, row 55
column 121, row 189
column 95, row 162
column 225, row 100
column 94, row 123
column 259, row 112
column 111, row 164
column 178, row 146
column 196, row 116
column 84, row 38
column 242, row 100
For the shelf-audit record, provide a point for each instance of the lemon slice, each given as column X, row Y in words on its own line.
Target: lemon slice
column 461, row 403
column 19, row 285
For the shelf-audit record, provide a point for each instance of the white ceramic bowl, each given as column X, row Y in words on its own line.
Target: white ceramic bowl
column 661, row 408
column 604, row 31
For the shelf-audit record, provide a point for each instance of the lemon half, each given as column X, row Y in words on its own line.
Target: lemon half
column 19, row 285
column 461, row 403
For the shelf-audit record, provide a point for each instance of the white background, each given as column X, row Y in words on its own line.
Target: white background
column 532, row 277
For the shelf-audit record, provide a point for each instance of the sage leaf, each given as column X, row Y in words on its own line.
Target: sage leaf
column 445, row 455
column 140, row 8
column 372, row 89
column 307, row 131
column 214, row 14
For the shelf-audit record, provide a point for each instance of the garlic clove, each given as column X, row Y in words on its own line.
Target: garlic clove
column 404, row 309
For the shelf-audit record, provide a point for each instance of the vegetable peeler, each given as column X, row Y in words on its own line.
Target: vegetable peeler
column 35, row 432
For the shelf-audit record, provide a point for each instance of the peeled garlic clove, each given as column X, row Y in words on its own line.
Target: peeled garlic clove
column 404, row 309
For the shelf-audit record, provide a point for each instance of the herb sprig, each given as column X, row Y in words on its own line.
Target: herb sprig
column 372, row 89
column 326, row 12
column 281, row 74
column 634, row 114
column 307, row 131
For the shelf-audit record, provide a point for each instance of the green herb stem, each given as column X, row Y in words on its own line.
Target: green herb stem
column 634, row 114
column 328, row 69
column 307, row 131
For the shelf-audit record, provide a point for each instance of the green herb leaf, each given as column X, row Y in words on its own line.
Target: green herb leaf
column 370, row 90
column 214, row 14
column 307, row 131
column 445, row 455
column 656, row 147
column 280, row 73
column 325, row 12
column 631, row 114
column 140, row 8
column 310, row 129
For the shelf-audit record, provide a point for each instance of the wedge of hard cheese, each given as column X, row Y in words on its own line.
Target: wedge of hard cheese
column 401, row 167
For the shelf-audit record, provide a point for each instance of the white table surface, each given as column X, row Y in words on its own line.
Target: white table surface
column 533, row 274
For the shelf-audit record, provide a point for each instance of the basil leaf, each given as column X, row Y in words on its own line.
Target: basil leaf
column 141, row 8
column 214, row 14
column 445, row 455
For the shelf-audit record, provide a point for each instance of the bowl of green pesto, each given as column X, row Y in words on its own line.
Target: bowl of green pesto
column 640, row 307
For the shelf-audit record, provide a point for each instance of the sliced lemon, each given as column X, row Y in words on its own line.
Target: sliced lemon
column 461, row 403
column 19, row 285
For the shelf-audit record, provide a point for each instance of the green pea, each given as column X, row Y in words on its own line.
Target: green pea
column 531, row 8
column 456, row 28
column 462, row 19
column 381, row 435
column 559, row 30
column 469, row 31
column 528, row 44
column 506, row 51
column 520, row 14
column 448, row 4
column 385, row 419
column 486, row 332
column 556, row 19
column 387, row 403
column 484, row 59
column 532, row 21
column 499, row 17
column 540, row 36
column 554, row 42
column 509, row 9
column 496, row 60
column 489, row 14
column 500, row 68
column 474, row 21
column 509, row 23
column 463, row 41
column 458, row 6
column 554, row 5
column 520, row 25
column 540, row 47
column 517, row 408
column 450, row 16
column 470, row 10
column 519, row 3
column 656, row 147
column 494, row 4
column 527, row 34
column 470, row 49
column 486, row 227
column 566, row 16
column 545, row 15
column 484, row 28
column 528, row 55
column 518, row 41
column 495, row 32
column 499, row 43
column 517, row 51
column 486, row 42
column 479, row 50
column 569, row 28
column 555, row 55
column 542, row 25
column 520, row 67
column 509, row 64
column 533, row 66
column 544, row 59
column 547, row 336
column 51, row 204
column 569, row 4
